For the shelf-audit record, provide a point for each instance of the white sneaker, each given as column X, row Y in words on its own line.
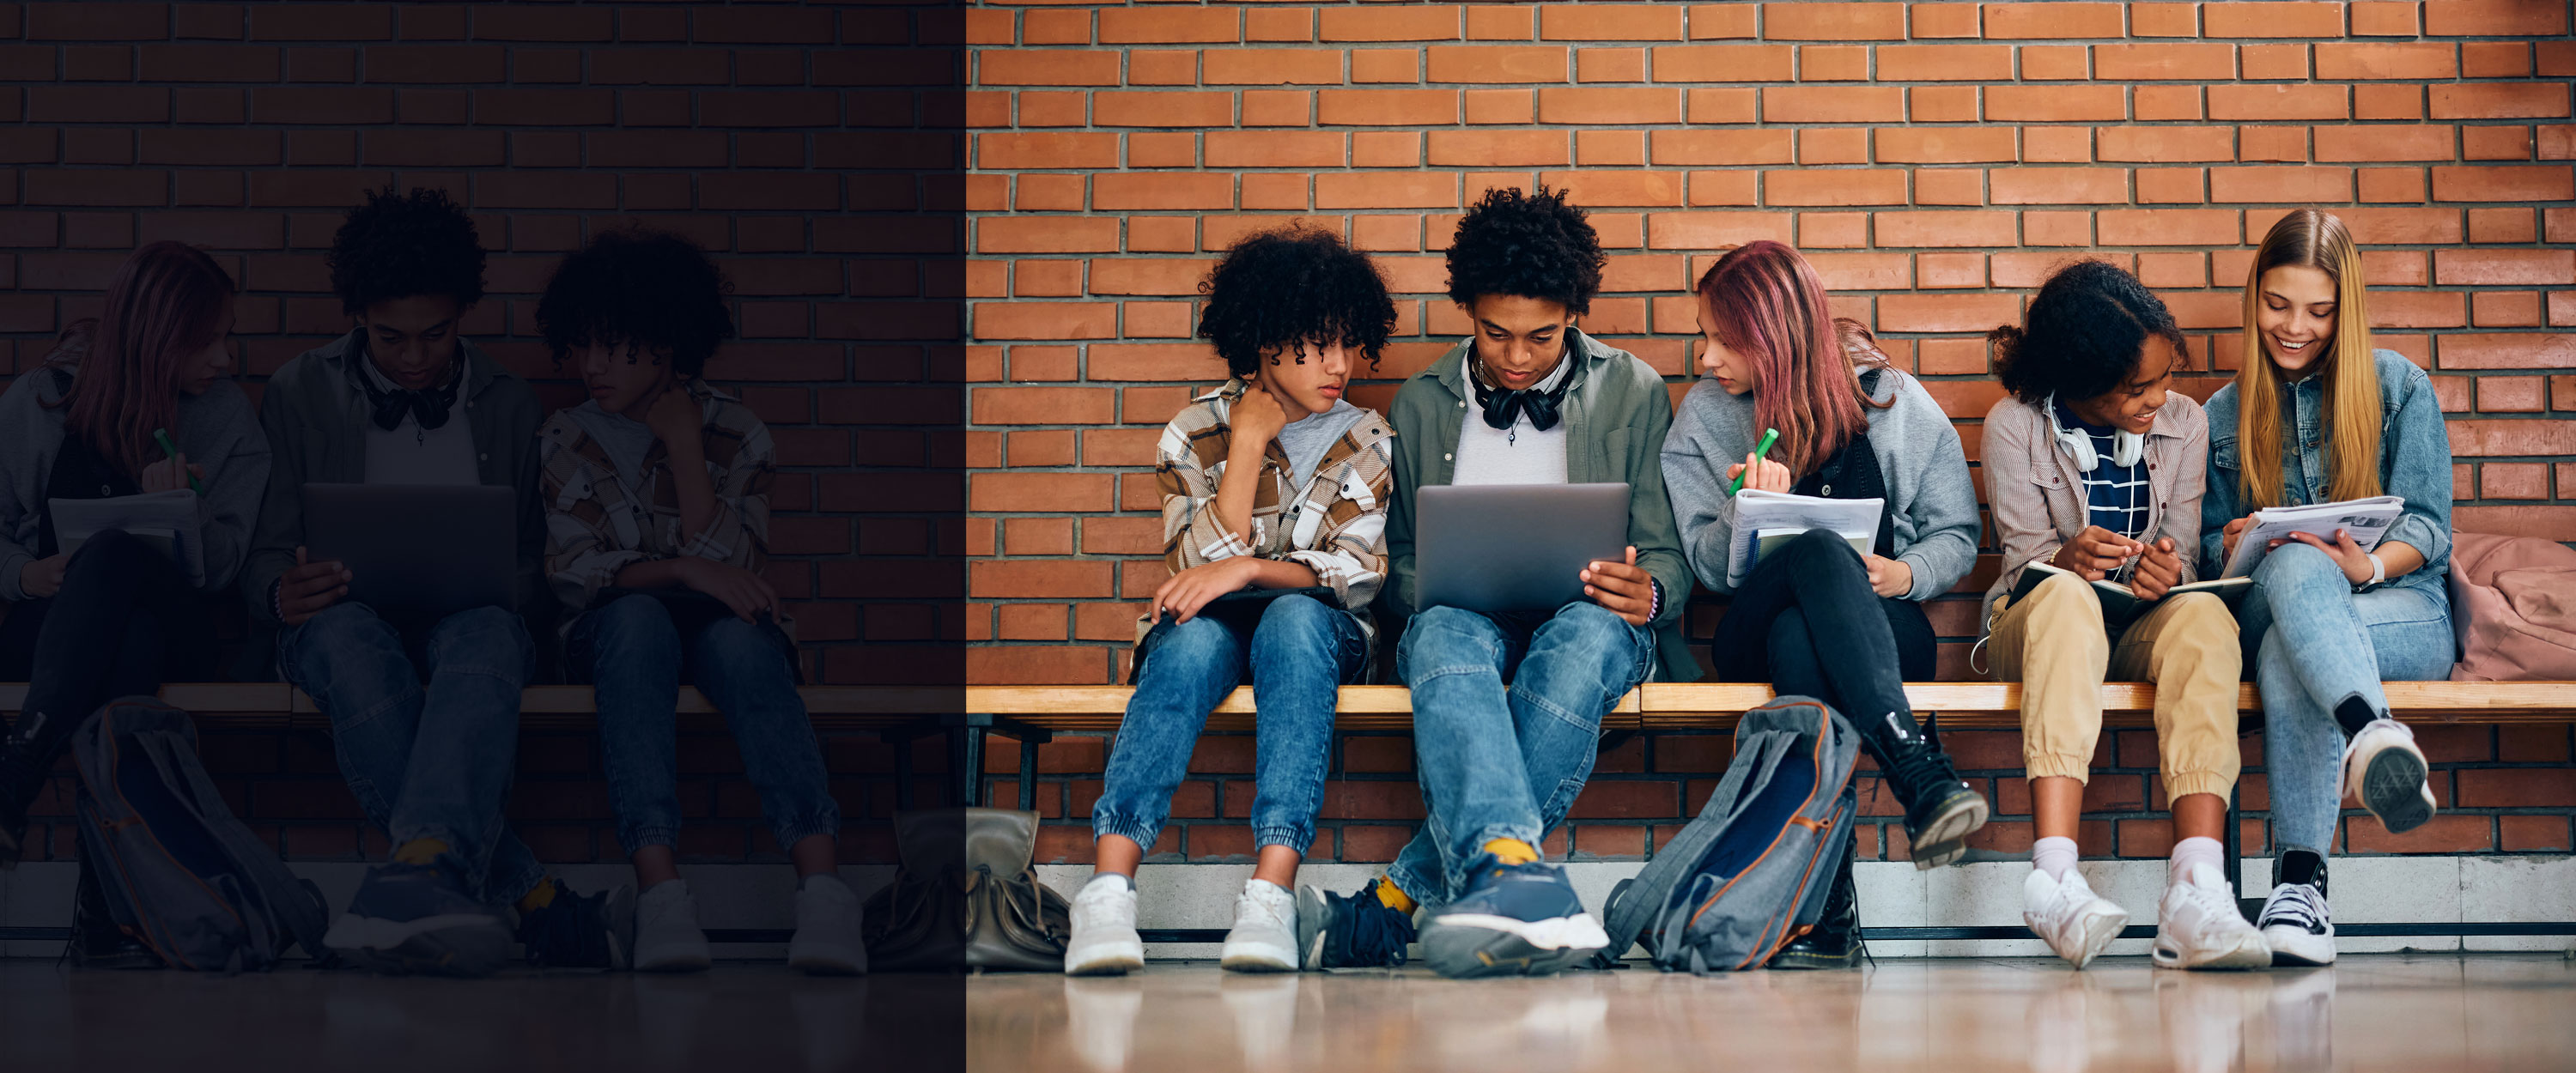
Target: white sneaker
column 2198, row 926
column 2077, row 923
column 2296, row 926
column 667, row 938
column 827, row 941
column 1264, row 938
column 1104, row 931
column 2383, row 765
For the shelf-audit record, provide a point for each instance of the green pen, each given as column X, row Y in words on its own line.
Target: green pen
column 1769, row 437
column 162, row 436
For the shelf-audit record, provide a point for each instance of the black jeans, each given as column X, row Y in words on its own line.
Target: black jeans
column 124, row 621
column 1806, row 622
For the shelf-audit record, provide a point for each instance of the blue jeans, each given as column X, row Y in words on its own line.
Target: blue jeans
column 1497, row 763
column 425, row 762
column 634, row 657
column 1300, row 653
column 2330, row 645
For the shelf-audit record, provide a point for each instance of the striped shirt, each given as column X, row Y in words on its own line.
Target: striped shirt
column 2116, row 496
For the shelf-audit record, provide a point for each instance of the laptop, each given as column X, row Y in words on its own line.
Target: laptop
column 417, row 550
column 1495, row 548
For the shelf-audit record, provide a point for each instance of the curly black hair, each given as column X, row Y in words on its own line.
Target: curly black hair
column 651, row 291
column 2083, row 336
column 1289, row 286
column 401, row 245
column 1530, row 245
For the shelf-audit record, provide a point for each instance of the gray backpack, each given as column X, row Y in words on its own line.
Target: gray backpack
column 181, row 874
column 1752, row 871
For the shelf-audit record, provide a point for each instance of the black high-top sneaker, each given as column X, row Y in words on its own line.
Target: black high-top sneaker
column 2295, row 922
column 1834, row 943
column 21, row 779
column 97, row 941
column 1940, row 808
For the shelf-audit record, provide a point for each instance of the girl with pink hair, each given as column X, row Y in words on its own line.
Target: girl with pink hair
column 1816, row 616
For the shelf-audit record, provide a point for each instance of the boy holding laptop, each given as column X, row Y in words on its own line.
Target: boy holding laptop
column 402, row 400
column 1508, row 706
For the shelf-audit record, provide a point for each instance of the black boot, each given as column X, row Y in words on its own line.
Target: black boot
column 97, row 941
column 1834, row 943
column 21, row 779
column 1940, row 808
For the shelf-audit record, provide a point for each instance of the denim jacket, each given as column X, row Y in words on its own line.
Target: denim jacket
column 2414, row 462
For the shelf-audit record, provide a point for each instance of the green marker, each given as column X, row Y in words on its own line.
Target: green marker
column 1769, row 437
column 162, row 436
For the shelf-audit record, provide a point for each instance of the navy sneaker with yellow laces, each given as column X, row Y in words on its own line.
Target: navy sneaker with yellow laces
column 1514, row 920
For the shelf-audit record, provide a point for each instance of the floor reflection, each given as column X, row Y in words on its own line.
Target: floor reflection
column 2420, row 1013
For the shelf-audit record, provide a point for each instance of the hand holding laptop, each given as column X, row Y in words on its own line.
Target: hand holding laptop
column 308, row 588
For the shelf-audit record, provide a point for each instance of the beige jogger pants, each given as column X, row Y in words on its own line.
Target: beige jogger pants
column 2054, row 644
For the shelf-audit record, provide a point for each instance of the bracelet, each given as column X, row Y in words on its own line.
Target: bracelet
column 277, row 598
column 1655, row 605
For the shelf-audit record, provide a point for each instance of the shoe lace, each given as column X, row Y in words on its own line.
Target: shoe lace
column 1914, row 770
column 569, row 931
column 2295, row 904
column 1372, row 932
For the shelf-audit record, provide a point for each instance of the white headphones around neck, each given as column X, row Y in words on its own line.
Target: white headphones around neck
column 2126, row 446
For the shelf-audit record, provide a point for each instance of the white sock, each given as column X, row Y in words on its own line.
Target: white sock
column 1130, row 884
column 2191, row 851
column 2053, row 855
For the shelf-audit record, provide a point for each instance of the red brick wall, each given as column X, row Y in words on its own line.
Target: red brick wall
column 1934, row 160
column 774, row 134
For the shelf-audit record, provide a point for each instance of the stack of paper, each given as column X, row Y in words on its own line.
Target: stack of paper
column 165, row 520
column 1765, row 520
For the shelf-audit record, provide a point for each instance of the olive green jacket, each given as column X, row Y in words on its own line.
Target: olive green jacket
column 1616, row 410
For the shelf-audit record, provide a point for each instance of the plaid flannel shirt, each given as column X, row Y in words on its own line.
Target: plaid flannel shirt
column 595, row 527
column 1337, row 529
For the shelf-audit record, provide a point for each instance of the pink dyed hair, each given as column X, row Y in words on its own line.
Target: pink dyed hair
column 1767, row 304
column 165, row 304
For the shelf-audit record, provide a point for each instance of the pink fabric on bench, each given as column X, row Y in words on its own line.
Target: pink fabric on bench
column 2513, row 604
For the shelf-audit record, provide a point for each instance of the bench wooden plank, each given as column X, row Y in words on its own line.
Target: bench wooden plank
column 1963, row 705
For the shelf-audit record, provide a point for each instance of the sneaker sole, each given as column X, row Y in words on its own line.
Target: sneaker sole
column 2393, row 788
column 2294, row 946
column 1106, row 959
column 449, row 945
column 1256, row 957
column 2098, row 931
column 1945, row 839
column 1803, row 961
column 1469, row 945
column 2250, row 952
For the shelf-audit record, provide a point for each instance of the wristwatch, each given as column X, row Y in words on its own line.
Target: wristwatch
column 2378, row 573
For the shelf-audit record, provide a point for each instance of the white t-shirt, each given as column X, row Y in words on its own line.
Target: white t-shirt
column 1520, row 454
column 410, row 454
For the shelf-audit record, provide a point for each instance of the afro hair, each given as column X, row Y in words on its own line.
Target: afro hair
column 648, row 291
column 1290, row 286
column 1528, row 245
column 402, row 245
column 2084, row 335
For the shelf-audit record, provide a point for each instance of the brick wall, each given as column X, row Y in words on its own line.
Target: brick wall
column 1934, row 160
column 781, row 136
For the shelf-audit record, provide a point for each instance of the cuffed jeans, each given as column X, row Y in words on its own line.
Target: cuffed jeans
column 634, row 657
column 2332, row 645
column 1498, row 763
column 2053, row 643
column 1301, row 652
column 425, row 762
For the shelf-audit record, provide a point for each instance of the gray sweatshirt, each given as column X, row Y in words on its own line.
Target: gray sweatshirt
column 1928, row 491
column 216, row 430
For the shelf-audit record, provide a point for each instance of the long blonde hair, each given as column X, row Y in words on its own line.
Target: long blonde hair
column 2313, row 239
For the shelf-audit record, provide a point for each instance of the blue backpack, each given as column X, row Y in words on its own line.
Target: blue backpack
column 1751, row 873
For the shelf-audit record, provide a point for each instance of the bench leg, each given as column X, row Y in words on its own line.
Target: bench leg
column 966, row 764
column 2235, row 842
column 902, row 742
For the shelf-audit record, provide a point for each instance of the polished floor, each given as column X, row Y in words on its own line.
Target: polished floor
column 2416, row 1014
column 2409, row 1013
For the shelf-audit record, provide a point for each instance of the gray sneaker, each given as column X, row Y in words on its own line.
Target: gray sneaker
column 667, row 938
column 417, row 918
column 1264, row 938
